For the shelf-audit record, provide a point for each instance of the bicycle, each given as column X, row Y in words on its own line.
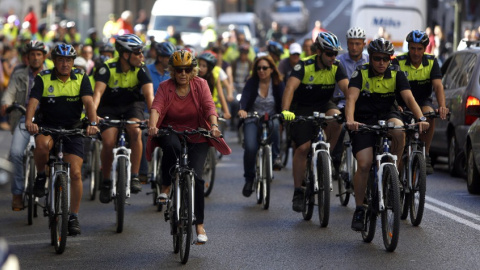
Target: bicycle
column 318, row 177
column 29, row 171
column 181, row 199
column 383, row 191
column 211, row 161
column 92, row 166
column 120, row 174
column 347, row 168
column 57, row 200
column 156, row 177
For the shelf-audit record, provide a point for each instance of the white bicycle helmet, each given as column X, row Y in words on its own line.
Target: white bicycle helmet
column 356, row 32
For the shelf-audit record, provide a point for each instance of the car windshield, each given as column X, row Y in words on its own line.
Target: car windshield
column 288, row 9
column 181, row 23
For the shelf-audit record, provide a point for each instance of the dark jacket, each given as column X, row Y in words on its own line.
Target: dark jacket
column 250, row 93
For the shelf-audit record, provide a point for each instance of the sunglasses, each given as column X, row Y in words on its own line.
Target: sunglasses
column 378, row 59
column 180, row 70
column 262, row 68
column 137, row 52
column 330, row 54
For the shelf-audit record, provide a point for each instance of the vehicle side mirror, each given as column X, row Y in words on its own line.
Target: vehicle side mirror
column 473, row 110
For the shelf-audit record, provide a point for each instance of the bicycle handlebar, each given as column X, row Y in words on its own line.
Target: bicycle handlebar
column 61, row 131
column 122, row 123
column 258, row 116
column 169, row 129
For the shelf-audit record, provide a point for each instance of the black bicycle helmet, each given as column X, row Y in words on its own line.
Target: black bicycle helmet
column 209, row 57
column 164, row 48
column 417, row 36
column 274, row 47
column 107, row 47
column 380, row 45
column 328, row 41
column 64, row 50
column 36, row 45
column 128, row 43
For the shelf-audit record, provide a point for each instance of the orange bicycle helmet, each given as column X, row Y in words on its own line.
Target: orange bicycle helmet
column 182, row 58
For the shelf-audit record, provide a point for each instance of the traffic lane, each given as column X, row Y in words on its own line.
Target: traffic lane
column 241, row 234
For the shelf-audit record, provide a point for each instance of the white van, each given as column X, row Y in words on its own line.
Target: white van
column 247, row 22
column 185, row 15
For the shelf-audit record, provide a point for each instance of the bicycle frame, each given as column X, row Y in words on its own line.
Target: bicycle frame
column 319, row 145
column 58, row 167
column 121, row 151
column 413, row 146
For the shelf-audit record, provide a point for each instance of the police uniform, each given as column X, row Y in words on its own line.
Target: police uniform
column 313, row 94
column 420, row 78
column 61, row 103
column 376, row 100
column 123, row 95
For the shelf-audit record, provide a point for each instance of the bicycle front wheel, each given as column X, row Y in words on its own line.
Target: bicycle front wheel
column 404, row 194
column 419, row 187
column 371, row 196
column 121, row 192
column 267, row 176
column 309, row 197
column 345, row 174
column 59, row 218
column 209, row 170
column 391, row 213
column 258, row 178
column 30, row 177
column 323, row 174
column 186, row 217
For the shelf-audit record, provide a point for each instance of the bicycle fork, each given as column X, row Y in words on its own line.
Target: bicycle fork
column 380, row 165
column 125, row 152
column 324, row 147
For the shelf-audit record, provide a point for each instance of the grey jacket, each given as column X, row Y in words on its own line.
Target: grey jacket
column 17, row 91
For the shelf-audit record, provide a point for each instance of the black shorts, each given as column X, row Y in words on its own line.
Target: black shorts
column 72, row 145
column 302, row 132
column 421, row 103
column 361, row 141
column 134, row 110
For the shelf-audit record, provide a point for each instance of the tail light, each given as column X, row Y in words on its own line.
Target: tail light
column 469, row 119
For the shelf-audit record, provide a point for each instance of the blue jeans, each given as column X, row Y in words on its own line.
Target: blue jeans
column 251, row 128
column 20, row 140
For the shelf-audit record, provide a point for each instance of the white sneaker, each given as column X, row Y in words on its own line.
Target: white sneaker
column 202, row 238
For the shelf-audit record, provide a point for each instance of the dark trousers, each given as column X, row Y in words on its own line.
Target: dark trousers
column 197, row 153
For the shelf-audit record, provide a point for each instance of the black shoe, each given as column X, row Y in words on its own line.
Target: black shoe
column 277, row 164
column 39, row 186
column 429, row 167
column 298, row 204
column 358, row 221
column 135, row 185
column 105, row 187
column 247, row 188
column 73, row 226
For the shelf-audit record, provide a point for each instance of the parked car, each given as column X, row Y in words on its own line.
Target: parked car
column 472, row 151
column 293, row 14
column 461, row 73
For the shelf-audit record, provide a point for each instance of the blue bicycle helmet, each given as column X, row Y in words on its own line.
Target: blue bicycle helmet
column 128, row 43
column 328, row 41
column 417, row 36
column 64, row 50
column 274, row 48
column 165, row 48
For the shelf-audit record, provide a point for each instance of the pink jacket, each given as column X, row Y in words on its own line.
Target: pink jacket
column 203, row 102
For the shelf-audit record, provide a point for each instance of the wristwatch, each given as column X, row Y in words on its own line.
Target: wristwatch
column 422, row 119
column 93, row 123
column 214, row 125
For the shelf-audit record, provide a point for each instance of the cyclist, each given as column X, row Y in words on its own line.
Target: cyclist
column 61, row 93
column 424, row 75
column 286, row 65
column 184, row 102
column 275, row 50
column 18, row 91
column 371, row 97
column 122, row 88
column 262, row 93
column 311, row 87
column 159, row 69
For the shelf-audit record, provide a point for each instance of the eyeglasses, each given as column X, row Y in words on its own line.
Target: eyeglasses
column 262, row 68
column 378, row 59
column 137, row 52
column 180, row 70
column 330, row 54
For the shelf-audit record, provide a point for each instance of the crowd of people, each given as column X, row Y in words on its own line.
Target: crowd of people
column 172, row 84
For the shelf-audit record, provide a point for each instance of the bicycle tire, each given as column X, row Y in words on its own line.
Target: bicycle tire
column 371, row 214
column 258, row 178
column 391, row 213
column 267, row 179
column 209, row 171
column 59, row 222
column 120, row 195
column 323, row 174
column 94, row 171
column 285, row 150
column 173, row 217
column 157, row 182
column 343, row 175
column 30, row 177
column 419, row 188
column 186, row 218
column 404, row 195
column 309, row 197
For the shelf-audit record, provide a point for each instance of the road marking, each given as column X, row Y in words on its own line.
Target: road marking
column 452, row 208
column 335, row 13
column 453, row 217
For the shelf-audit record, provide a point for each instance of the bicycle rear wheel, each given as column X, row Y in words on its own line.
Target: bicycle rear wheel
column 309, row 197
column 267, row 173
column 323, row 174
column 258, row 178
column 404, row 194
column 172, row 216
column 345, row 175
column 121, row 192
column 59, row 218
column 157, row 182
column 209, row 170
column 419, row 187
column 391, row 213
column 186, row 217
column 94, row 170
column 371, row 195
column 30, row 178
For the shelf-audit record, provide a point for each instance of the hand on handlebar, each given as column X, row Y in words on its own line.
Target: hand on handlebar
column 215, row 132
column 353, row 125
column 288, row 115
column 442, row 111
column 423, row 126
column 242, row 114
column 92, row 130
column 31, row 127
